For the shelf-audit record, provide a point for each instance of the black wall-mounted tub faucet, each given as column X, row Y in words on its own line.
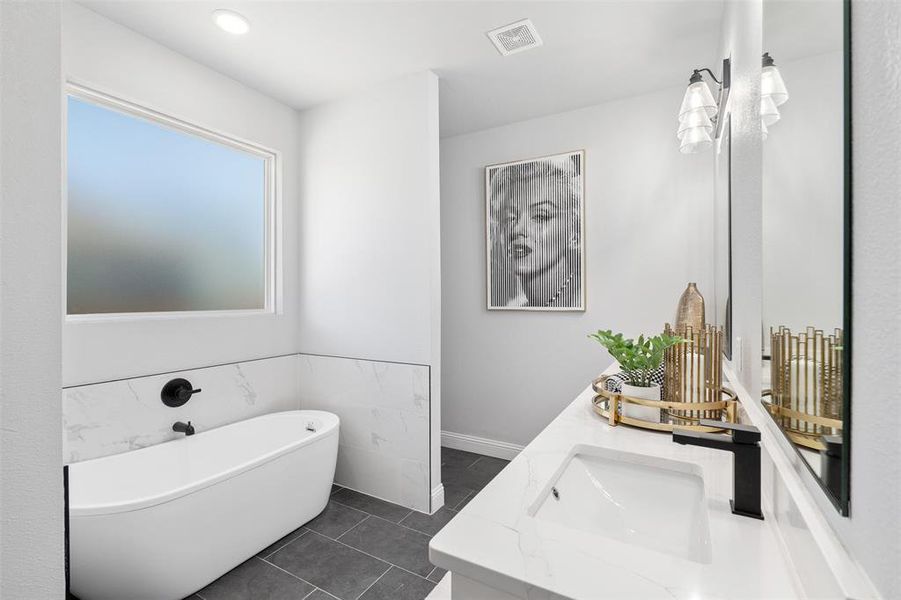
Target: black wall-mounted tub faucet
column 177, row 392
column 185, row 428
column 744, row 444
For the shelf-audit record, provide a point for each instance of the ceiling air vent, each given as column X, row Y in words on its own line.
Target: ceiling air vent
column 515, row 37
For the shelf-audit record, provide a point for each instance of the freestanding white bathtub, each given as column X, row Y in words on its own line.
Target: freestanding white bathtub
column 162, row 522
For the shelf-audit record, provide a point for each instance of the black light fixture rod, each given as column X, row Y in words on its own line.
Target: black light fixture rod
column 712, row 76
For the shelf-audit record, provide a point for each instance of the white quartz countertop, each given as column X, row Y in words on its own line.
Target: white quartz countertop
column 493, row 539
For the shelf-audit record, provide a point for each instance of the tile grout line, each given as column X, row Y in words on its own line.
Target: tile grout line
column 456, row 507
column 313, row 591
column 289, row 573
column 366, row 518
column 340, row 504
column 292, row 540
column 346, row 545
column 363, row 593
column 430, row 536
column 479, row 456
column 319, row 589
column 369, row 513
column 474, row 462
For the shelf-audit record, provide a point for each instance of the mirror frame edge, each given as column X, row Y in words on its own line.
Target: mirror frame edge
column 844, row 502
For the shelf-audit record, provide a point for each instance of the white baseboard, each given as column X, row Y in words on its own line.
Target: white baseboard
column 437, row 497
column 471, row 443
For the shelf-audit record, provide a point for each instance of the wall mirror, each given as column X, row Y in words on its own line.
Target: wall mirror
column 805, row 96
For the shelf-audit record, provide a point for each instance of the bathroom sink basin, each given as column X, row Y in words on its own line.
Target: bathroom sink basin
column 640, row 500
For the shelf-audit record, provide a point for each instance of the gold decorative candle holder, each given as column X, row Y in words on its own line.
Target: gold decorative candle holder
column 692, row 389
column 806, row 384
column 693, row 373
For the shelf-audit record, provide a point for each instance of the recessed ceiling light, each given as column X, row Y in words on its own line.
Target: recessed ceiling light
column 231, row 22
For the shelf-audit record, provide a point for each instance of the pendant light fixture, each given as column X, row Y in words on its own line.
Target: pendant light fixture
column 698, row 113
column 771, row 83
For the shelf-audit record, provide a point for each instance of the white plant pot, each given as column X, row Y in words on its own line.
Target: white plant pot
column 636, row 411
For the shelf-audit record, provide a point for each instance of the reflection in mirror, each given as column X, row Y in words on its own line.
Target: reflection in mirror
column 803, row 94
column 722, row 234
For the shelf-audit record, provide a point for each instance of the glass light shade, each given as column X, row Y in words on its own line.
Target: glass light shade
column 694, row 118
column 694, row 148
column 769, row 114
column 771, row 85
column 698, row 96
column 694, row 140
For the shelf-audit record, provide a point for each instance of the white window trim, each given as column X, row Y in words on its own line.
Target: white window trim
column 272, row 210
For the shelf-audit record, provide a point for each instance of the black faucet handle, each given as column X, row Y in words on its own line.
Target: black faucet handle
column 177, row 392
column 741, row 434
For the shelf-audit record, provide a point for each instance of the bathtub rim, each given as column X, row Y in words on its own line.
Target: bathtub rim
column 76, row 511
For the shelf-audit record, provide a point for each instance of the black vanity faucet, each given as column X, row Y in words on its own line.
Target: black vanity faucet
column 185, row 428
column 744, row 444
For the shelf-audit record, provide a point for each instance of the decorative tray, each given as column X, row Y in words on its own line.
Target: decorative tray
column 682, row 415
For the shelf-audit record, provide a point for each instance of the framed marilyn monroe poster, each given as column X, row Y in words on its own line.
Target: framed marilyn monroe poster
column 535, row 218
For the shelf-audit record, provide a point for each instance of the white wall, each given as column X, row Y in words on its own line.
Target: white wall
column 31, row 490
column 648, row 233
column 366, row 224
column 370, row 273
column 803, row 200
column 114, row 59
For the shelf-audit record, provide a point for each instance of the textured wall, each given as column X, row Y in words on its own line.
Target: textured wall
column 874, row 530
column 31, row 491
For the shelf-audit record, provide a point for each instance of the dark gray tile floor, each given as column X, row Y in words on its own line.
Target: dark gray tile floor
column 359, row 547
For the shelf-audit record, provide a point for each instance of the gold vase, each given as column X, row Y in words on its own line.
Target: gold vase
column 690, row 313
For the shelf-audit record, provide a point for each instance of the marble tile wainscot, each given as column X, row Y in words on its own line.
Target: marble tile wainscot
column 385, row 415
column 109, row 418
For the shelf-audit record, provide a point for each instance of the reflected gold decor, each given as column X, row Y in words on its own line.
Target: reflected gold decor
column 690, row 312
column 806, row 384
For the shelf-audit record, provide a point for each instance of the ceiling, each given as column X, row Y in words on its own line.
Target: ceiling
column 304, row 53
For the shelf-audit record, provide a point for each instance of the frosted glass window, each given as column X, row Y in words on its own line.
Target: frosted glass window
column 160, row 219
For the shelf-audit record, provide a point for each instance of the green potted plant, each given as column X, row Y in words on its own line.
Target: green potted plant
column 639, row 360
